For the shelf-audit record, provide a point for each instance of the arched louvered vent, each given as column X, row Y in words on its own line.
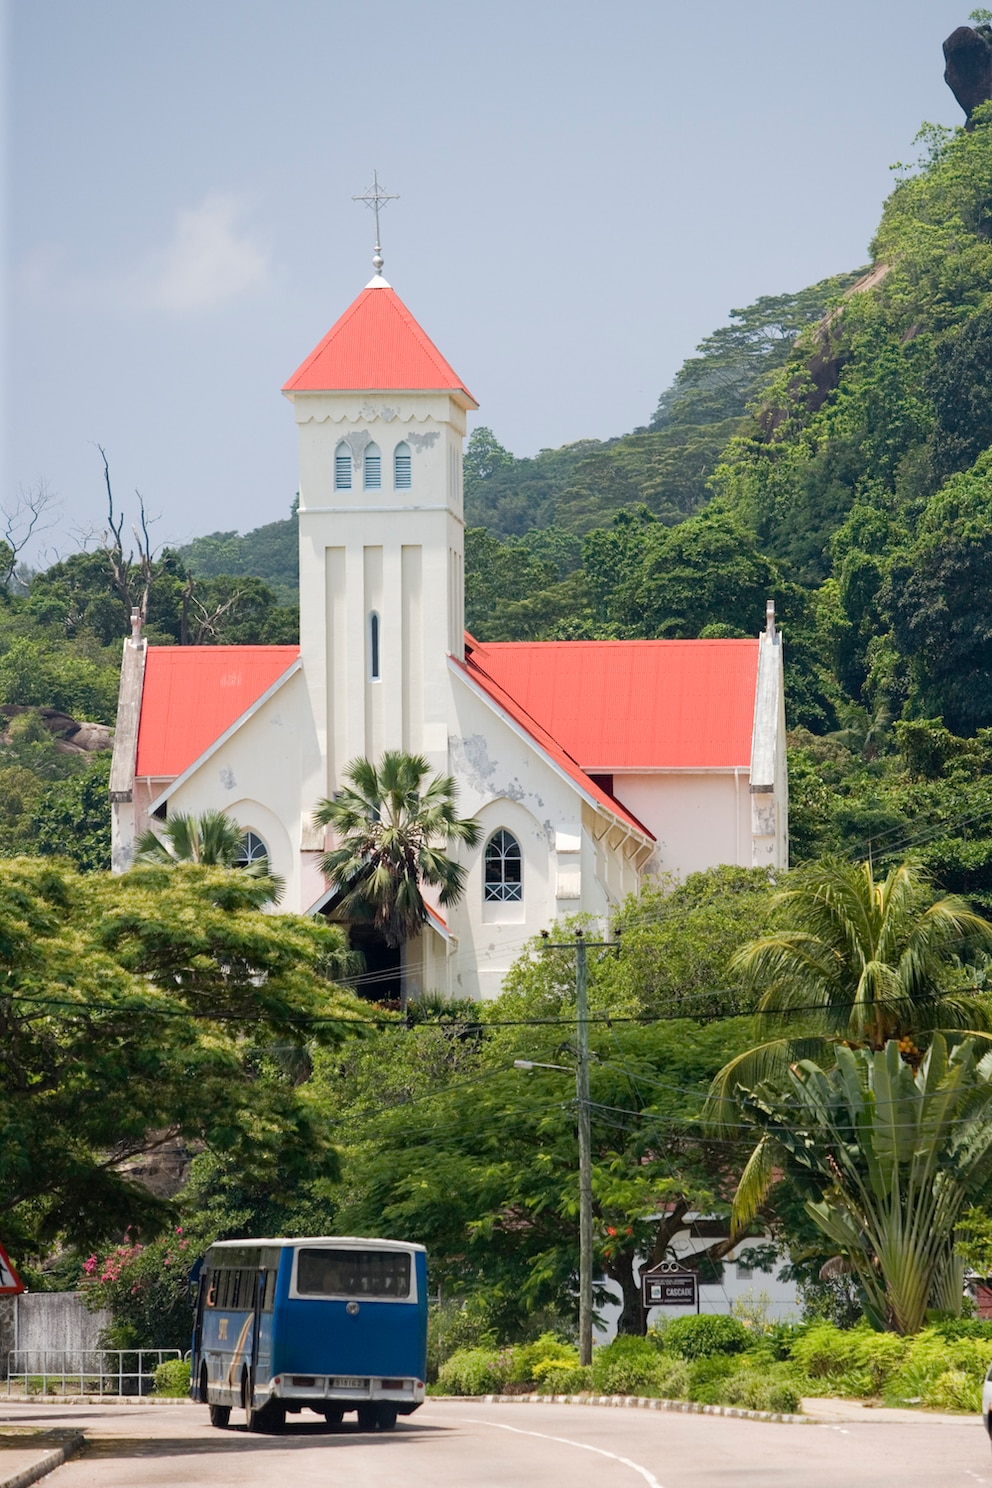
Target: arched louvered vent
column 402, row 468
column 342, row 468
column 373, row 468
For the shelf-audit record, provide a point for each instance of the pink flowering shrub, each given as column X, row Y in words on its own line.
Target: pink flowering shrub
column 146, row 1288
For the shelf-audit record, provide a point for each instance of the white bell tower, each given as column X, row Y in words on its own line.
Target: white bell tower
column 381, row 419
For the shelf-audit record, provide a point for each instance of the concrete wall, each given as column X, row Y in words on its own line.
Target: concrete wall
column 50, row 1323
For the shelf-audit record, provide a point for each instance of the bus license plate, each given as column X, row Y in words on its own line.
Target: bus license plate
column 349, row 1384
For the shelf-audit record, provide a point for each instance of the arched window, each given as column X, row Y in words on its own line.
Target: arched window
column 402, row 470
column 373, row 468
column 503, row 869
column 252, row 850
column 374, row 673
column 342, row 468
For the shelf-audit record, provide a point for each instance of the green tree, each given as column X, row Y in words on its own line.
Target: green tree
column 898, row 1154
column 937, row 595
column 484, row 455
column 393, row 830
column 855, row 961
column 146, row 1008
column 678, row 940
column 706, row 570
column 71, row 818
column 447, row 1141
column 270, row 553
column 734, row 360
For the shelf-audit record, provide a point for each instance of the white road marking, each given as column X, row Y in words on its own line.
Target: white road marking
column 565, row 1441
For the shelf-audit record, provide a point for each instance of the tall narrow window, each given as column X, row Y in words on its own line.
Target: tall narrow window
column 342, row 468
column 402, row 470
column 374, row 647
column 503, row 869
column 373, row 468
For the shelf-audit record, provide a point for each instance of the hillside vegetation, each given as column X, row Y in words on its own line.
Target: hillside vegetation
column 855, row 487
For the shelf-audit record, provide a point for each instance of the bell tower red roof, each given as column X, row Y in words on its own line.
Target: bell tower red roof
column 377, row 346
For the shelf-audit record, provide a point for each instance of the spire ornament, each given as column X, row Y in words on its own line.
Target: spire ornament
column 375, row 198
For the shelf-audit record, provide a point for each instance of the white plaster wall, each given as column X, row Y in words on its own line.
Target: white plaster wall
column 699, row 820
column 400, row 552
column 256, row 778
column 505, row 782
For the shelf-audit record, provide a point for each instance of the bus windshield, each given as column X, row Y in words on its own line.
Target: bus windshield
column 353, row 1273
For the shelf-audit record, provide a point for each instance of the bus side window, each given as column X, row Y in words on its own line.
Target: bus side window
column 211, row 1300
column 269, row 1298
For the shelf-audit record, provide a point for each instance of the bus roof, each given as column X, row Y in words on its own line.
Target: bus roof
column 326, row 1240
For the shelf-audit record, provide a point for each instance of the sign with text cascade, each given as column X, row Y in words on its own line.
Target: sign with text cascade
column 668, row 1285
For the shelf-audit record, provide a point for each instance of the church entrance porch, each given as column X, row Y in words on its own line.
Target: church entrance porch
column 382, row 978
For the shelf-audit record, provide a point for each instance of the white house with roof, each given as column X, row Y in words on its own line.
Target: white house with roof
column 589, row 764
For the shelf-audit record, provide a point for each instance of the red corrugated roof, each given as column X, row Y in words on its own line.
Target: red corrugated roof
column 193, row 693
column 630, row 705
column 550, row 745
column 376, row 346
column 600, row 706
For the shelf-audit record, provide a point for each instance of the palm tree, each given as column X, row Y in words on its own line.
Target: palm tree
column 392, row 833
column 213, row 840
column 858, row 961
column 898, row 1154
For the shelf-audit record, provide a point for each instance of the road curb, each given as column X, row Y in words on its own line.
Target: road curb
column 636, row 1402
column 45, row 1464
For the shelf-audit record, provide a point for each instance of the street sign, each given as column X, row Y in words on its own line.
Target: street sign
column 668, row 1285
column 10, row 1282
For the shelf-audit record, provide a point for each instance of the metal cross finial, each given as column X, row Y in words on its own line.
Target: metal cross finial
column 375, row 198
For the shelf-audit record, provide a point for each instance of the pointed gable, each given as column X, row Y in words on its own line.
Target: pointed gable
column 192, row 694
column 377, row 346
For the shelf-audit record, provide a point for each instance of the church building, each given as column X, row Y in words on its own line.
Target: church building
column 588, row 764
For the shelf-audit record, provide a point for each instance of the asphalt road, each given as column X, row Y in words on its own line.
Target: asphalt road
column 467, row 1445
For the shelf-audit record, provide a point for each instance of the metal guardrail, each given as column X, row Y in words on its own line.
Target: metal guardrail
column 85, row 1371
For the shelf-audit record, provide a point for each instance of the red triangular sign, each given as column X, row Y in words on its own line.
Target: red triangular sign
column 10, row 1282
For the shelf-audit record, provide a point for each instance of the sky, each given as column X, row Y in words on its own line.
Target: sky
column 585, row 191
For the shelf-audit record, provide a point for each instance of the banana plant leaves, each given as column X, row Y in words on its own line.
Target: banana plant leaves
column 899, row 1152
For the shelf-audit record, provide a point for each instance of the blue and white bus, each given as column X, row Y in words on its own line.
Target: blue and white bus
column 330, row 1324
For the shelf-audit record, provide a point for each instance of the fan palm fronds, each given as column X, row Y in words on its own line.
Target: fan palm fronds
column 393, row 831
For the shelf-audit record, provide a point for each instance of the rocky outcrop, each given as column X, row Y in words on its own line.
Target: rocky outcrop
column 968, row 70
column 71, row 736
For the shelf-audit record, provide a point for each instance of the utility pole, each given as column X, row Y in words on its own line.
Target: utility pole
column 583, row 1117
column 585, row 1147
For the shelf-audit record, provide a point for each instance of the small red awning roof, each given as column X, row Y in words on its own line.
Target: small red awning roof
column 376, row 346
column 633, row 705
column 192, row 695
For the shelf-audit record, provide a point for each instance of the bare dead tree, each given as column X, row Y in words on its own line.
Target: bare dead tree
column 132, row 572
column 198, row 622
column 32, row 512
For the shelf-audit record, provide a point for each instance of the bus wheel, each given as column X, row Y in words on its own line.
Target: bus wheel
column 220, row 1415
column 333, row 1414
column 368, row 1417
column 386, row 1416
